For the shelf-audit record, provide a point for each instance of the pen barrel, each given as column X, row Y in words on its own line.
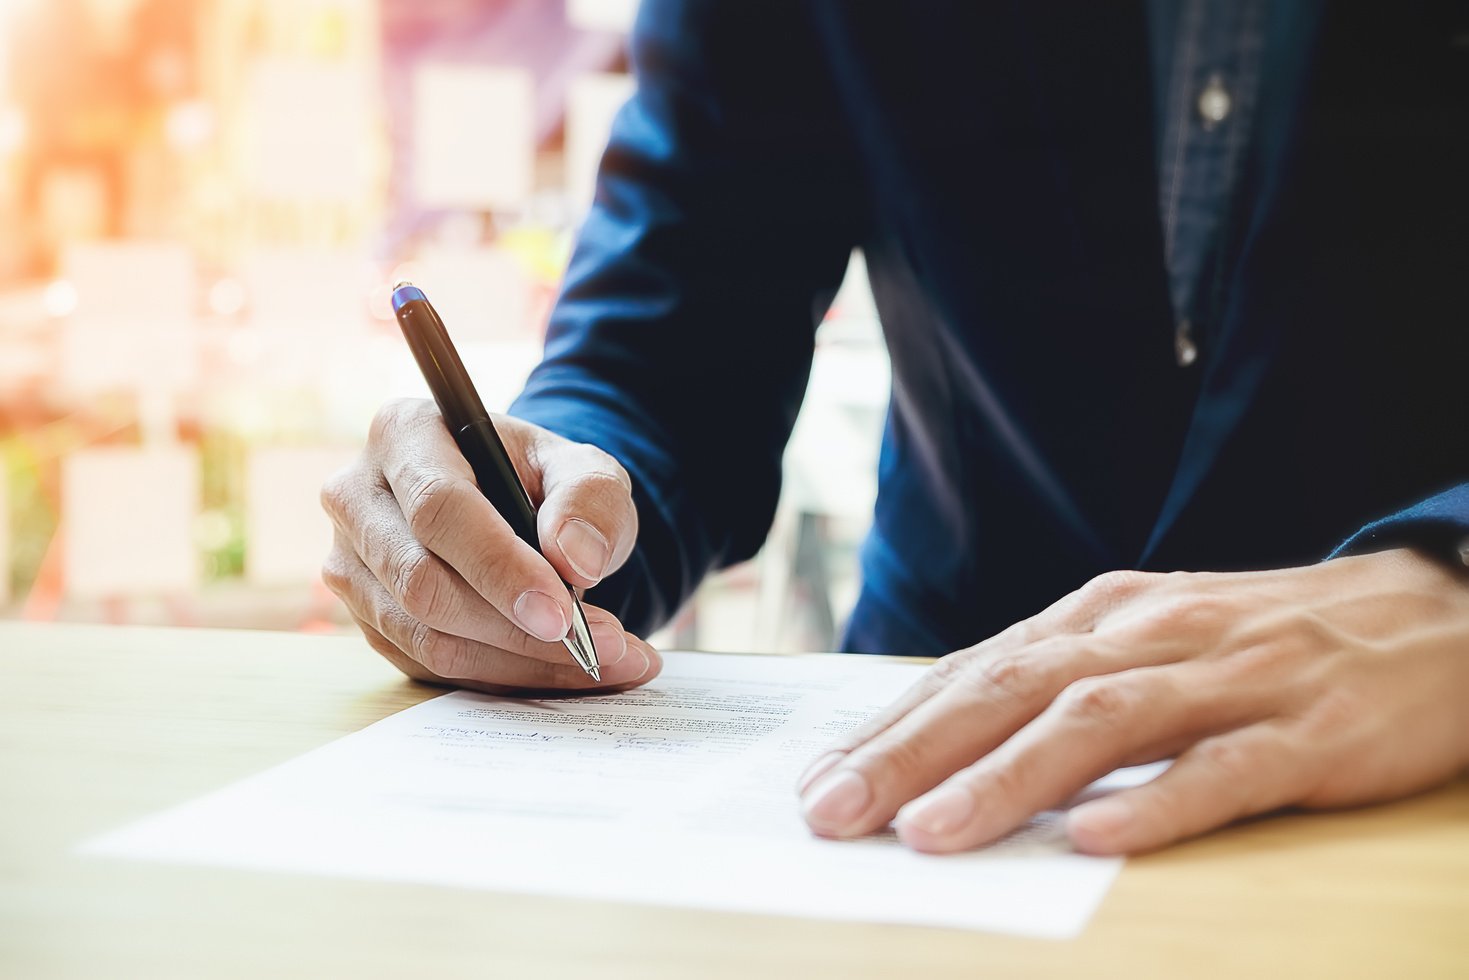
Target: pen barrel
column 493, row 471
column 438, row 360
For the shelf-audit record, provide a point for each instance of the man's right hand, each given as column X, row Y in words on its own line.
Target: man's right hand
column 444, row 589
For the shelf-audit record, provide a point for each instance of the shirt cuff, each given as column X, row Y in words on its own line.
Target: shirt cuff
column 1438, row 526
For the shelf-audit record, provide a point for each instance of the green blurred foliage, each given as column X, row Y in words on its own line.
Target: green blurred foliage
column 32, row 518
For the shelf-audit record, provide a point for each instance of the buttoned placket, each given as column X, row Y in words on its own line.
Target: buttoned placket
column 1209, row 93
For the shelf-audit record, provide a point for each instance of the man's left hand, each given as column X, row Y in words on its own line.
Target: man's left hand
column 1332, row 685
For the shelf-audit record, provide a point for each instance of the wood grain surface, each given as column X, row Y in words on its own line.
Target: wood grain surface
column 101, row 725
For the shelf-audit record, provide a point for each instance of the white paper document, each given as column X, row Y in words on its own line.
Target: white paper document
column 677, row 794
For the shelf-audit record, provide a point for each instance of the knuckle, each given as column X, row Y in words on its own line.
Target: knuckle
column 1110, row 588
column 1181, row 579
column 580, row 467
column 948, row 670
column 1230, row 760
column 599, row 489
column 434, row 650
column 335, row 490
column 418, row 584
column 1008, row 782
column 456, row 659
column 390, row 418
column 1014, row 676
column 456, row 662
column 1266, row 658
column 334, row 575
column 1189, row 613
column 535, row 446
column 1098, row 702
column 423, row 645
column 608, row 464
column 492, row 573
column 939, row 676
column 426, row 502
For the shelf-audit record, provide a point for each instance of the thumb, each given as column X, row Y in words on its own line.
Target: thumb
column 586, row 518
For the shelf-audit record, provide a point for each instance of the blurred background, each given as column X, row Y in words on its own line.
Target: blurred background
column 203, row 206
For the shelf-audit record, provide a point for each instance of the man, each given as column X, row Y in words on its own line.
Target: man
column 1175, row 288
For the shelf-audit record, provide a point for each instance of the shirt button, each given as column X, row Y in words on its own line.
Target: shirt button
column 1214, row 102
column 1185, row 349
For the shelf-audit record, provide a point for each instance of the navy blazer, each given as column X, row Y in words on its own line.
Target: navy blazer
column 996, row 163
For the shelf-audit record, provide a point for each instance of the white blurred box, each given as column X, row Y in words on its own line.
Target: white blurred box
column 308, row 130
column 127, row 515
column 473, row 137
column 602, row 15
column 308, row 314
column 287, row 534
column 481, row 293
column 592, row 101
column 296, row 284
column 133, row 323
column 130, row 279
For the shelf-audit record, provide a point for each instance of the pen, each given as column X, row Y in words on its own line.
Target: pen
column 468, row 422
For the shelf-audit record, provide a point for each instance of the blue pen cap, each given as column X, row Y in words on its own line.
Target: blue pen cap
column 405, row 293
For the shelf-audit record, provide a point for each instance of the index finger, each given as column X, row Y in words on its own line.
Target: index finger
column 1077, row 612
column 1093, row 728
column 977, row 710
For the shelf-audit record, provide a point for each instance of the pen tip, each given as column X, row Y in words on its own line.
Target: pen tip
column 596, row 674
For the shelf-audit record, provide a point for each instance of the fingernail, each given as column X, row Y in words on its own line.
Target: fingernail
column 585, row 548
column 611, row 643
column 627, row 668
column 1099, row 820
column 817, row 769
column 837, row 800
column 943, row 811
column 538, row 614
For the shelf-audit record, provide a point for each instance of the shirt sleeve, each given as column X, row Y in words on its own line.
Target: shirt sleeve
column 1438, row 526
column 725, row 210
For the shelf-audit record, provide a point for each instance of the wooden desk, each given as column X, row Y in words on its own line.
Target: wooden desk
column 99, row 726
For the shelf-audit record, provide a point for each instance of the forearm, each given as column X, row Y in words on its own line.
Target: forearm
column 726, row 206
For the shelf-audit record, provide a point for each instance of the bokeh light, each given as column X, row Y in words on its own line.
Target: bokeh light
column 60, row 299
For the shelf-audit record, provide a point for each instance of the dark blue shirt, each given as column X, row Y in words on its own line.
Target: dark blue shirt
column 1035, row 229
